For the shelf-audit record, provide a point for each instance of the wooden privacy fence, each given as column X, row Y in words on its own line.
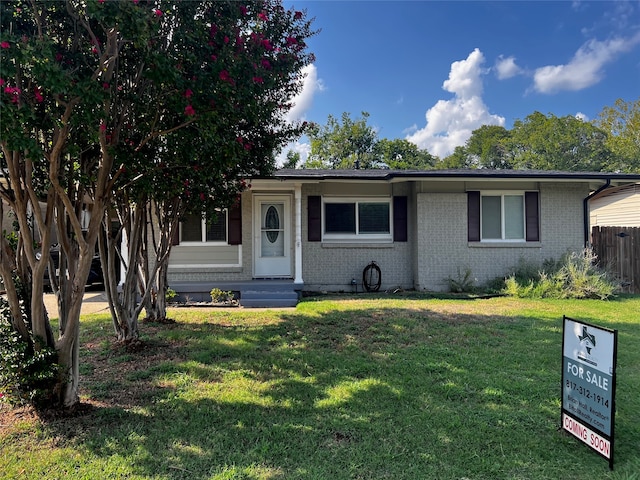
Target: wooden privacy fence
column 618, row 250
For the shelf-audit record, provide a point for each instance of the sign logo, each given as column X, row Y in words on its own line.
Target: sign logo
column 588, row 342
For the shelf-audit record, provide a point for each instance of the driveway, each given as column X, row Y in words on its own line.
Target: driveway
column 92, row 302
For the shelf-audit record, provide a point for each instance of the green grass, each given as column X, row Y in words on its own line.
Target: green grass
column 339, row 388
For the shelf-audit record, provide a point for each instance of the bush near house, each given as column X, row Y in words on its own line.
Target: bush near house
column 575, row 276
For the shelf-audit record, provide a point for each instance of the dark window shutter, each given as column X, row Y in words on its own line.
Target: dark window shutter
column 400, row 219
column 532, row 216
column 314, row 218
column 473, row 216
column 235, row 224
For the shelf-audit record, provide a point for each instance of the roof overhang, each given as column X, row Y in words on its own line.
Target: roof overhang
column 594, row 179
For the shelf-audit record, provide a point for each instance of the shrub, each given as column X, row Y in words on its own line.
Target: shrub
column 574, row 276
column 26, row 375
column 221, row 296
column 463, row 283
column 170, row 294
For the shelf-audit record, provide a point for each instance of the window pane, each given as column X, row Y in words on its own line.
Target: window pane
column 491, row 217
column 217, row 228
column 340, row 217
column 373, row 218
column 192, row 228
column 514, row 217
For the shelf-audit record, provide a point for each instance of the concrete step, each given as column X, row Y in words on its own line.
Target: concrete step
column 268, row 298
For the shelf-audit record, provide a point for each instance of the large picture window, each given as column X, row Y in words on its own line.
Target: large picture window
column 364, row 218
column 503, row 216
column 195, row 228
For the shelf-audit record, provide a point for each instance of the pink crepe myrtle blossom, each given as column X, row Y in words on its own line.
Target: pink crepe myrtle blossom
column 189, row 110
column 263, row 16
column 14, row 92
column 38, row 94
column 1, row 82
column 266, row 64
column 259, row 80
column 292, row 40
column 225, row 77
column 5, row 45
column 106, row 86
column 188, row 93
column 297, row 15
column 267, row 45
column 103, row 127
column 158, row 12
column 243, row 9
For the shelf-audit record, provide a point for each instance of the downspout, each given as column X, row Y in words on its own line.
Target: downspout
column 585, row 208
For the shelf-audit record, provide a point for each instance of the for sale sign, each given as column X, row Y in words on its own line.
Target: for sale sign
column 588, row 384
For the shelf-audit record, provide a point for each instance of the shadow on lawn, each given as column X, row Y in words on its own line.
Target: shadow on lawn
column 368, row 393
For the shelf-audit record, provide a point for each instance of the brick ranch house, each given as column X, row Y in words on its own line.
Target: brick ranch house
column 317, row 230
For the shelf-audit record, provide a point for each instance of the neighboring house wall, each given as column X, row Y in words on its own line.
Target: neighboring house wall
column 444, row 251
column 619, row 208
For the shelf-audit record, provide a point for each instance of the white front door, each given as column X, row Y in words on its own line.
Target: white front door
column 272, row 236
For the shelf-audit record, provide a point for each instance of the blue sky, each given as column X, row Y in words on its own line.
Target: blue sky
column 432, row 72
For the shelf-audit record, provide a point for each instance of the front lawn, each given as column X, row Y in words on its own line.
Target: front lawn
column 381, row 387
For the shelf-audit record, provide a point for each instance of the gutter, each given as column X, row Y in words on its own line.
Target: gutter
column 585, row 209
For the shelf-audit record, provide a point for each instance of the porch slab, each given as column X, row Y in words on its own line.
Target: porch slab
column 257, row 293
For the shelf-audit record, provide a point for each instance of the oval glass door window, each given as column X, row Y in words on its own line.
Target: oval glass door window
column 272, row 224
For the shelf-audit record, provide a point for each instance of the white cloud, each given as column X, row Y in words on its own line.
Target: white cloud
column 585, row 69
column 507, row 68
column 582, row 116
column 450, row 122
column 302, row 102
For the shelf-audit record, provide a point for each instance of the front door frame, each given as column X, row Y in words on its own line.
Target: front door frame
column 269, row 267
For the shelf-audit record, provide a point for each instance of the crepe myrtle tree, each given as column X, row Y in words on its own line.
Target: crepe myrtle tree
column 91, row 91
column 53, row 65
column 224, row 74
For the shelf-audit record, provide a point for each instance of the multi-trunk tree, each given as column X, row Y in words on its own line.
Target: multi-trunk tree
column 118, row 103
column 231, row 70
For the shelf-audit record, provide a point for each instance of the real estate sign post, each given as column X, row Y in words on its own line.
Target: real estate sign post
column 589, row 384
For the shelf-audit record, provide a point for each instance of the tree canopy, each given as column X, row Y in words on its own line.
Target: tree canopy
column 539, row 142
column 622, row 123
column 128, row 101
column 349, row 143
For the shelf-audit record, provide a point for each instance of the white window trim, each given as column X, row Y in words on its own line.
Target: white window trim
column 502, row 194
column 203, row 233
column 358, row 237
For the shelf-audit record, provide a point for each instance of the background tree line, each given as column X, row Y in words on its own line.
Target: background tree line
column 610, row 143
